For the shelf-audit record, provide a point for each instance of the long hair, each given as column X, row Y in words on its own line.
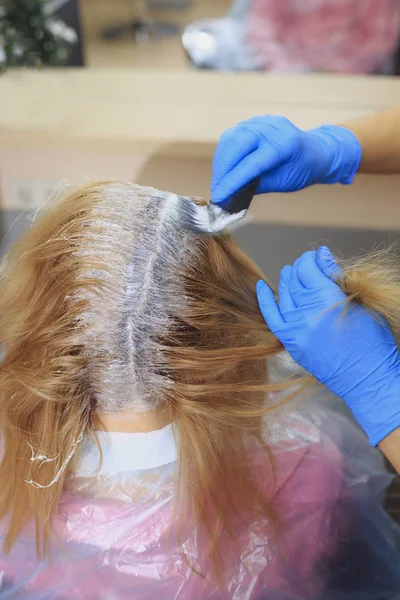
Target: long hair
column 106, row 304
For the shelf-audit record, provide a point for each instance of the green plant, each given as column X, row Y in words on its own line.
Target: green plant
column 31, row 36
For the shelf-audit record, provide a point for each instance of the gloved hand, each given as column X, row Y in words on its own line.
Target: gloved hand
column 287, row 158
column 349, row 351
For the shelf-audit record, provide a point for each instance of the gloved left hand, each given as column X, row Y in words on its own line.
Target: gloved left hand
column 351, row 352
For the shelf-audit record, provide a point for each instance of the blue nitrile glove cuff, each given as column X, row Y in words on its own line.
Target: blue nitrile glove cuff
column 380, row 415
column 343, row 150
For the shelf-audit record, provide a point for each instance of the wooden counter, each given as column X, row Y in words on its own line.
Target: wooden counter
column 160, row 128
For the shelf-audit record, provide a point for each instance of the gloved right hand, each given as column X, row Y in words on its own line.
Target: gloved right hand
column 286, row 157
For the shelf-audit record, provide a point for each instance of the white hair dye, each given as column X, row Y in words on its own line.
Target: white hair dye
column 136, row 254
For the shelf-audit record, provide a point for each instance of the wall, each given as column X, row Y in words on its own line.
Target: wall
column 160, row 128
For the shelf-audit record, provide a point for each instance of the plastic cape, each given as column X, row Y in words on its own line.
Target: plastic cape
column 116, row 535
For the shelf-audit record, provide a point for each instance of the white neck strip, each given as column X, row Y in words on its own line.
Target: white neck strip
column 124, row 452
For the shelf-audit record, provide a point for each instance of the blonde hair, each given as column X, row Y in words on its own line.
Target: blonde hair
column 86, row 319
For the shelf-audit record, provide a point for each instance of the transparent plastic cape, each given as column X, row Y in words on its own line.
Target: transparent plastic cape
column 116, row 539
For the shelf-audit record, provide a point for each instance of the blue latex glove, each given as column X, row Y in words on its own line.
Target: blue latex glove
column 287, row 158
column 349, row 351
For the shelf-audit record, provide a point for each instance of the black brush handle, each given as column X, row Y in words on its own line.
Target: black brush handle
column 241, row 199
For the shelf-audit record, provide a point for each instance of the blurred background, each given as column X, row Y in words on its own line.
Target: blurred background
column 151, row 84
column 141, row 90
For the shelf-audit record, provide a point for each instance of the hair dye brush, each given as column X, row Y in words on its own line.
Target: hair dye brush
column 211, row 219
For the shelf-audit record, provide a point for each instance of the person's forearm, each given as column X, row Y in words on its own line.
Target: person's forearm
column 379, row 136
column 390, row 447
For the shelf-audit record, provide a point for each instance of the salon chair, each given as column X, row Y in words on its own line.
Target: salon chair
column 140, row 27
